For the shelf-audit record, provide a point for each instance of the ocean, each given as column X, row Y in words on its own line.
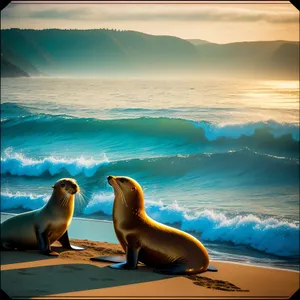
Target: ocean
column 218, row 158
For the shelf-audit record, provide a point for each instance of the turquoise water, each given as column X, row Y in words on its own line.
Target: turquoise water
column 216, row 158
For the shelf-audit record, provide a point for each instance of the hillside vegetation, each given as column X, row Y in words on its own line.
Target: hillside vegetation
column 103, row 52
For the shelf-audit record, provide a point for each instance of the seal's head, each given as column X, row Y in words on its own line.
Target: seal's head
column 66, row 185
column 127, row 190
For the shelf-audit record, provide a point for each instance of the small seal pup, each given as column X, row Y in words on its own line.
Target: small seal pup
column 169, row 250
column 40, row 228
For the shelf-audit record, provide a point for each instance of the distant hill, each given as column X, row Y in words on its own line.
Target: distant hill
column 19, row 61
column 99, row 51
column 270, row 58
column 286, row 58
column 198, row 42
column 10, row 70
column 112, row 52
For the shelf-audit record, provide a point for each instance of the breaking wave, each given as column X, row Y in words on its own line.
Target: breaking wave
column 230, row 165
column 268, row 235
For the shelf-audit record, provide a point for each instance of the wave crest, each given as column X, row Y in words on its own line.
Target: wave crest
column 191, row 130
column 19, row 165
column 269, row 235
column 236, row 166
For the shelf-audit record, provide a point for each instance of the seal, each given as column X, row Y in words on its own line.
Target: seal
column 166, row 249
column 40, row 228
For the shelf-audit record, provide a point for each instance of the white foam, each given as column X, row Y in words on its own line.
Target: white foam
column 20, row 165
column 270, row 235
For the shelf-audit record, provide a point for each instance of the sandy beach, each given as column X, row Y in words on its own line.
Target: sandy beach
column 73, row 274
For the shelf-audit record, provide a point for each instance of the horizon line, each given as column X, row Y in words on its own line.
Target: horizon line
column 124, row 30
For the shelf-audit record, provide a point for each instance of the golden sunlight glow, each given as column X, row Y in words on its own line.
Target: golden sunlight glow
column 221, row 23
column 283, row 84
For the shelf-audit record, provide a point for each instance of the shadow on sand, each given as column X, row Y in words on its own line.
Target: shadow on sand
column 14, row 257
column 66, row 278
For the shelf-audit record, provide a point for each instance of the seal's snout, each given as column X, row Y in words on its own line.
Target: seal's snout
column 109, row 178
column 74, row 188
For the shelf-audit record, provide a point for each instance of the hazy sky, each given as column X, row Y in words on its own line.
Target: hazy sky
column 220, row 23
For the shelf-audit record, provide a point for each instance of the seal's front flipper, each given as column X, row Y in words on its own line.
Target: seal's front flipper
column 131, row 260
column 115, row 259
column 43, row 243
column 65, row 242
column 212, row 269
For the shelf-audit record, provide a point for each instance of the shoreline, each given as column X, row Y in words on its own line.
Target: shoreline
column 72, row 274
column 256, row 266
column 103, row 232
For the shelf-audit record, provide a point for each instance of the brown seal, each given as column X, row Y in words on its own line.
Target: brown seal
column 168, row 250
column 40, row 228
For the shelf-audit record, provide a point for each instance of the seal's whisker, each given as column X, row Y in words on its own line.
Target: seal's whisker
column 82, row 192
column 65, row 200
column 121, row 195
column 79, row 203
column 118, row 192
column 84, row 197
column 77, row 198
column 124, row 199
column 81, row 200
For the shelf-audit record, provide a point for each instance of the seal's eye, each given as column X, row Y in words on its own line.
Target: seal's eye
column 62, row 185
column 122, row 180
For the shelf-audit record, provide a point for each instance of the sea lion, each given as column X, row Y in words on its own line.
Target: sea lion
column 169, row 250
column 40, row 228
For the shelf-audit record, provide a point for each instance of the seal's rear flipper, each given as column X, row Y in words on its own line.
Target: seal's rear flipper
column 123, row 266
column 115, row 259
column 211, row 269
column 65, row 242
column 173, row 269
column 180, row 269
column 76, row 248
